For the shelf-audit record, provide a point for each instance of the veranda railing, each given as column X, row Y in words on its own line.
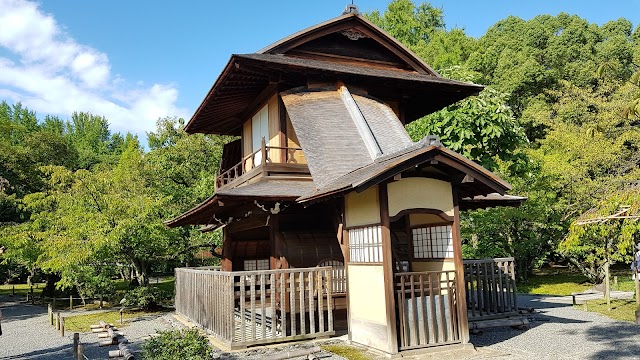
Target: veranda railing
column 490, row 285
column 257, row 307
column 427, row 309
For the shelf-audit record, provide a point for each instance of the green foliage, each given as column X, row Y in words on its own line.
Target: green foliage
column 412, row 25
column 79, row 201
column 146, row 297
column 525, row 58
column 177, row 344
column 481, row 128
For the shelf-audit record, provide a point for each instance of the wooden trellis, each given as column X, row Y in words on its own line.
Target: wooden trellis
column 621, row 214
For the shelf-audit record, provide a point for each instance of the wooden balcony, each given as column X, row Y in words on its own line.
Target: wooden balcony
column 283, row 162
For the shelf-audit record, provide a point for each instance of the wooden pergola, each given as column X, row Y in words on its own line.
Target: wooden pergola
column 621, row 214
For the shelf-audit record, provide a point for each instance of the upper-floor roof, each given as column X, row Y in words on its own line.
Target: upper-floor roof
column 348, row 48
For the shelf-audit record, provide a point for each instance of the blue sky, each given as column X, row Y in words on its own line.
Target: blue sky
column 133, row 61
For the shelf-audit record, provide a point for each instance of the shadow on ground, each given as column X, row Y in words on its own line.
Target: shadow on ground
column 540, row 316
column 622, row 340
column 17, row 313
column 57, row 353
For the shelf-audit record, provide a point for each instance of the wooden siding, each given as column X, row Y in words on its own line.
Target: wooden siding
column 274, row 130
column 246, row 146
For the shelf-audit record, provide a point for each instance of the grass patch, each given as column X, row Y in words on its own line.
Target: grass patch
column 625, row 283
column 346, row 351
column 167, row 284
column 554, row 284
column 620, row 309
column 21, row 289
column 82, row 323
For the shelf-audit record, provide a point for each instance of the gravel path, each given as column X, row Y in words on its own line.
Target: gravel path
column 557, row 331
column 26, row 334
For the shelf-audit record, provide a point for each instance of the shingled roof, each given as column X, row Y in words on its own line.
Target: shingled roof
column 329, row 136
column 422, row 152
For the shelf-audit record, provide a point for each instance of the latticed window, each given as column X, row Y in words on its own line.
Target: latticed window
column 259, row 264
column 433, row 242
column 365, row 244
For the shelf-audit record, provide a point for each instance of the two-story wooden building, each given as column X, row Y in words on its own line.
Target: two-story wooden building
column 333, row 218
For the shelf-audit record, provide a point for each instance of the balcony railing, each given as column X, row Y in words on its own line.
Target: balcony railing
column 261, row 158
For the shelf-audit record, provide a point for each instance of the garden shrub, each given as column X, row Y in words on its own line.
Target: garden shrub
column 145, row 297
column 177, row 344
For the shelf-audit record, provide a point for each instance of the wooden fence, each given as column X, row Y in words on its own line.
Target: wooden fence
column 245, row 308
column 491, row 288
column 427, row 309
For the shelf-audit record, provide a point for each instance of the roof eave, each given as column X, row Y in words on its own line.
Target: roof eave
column 219, row 81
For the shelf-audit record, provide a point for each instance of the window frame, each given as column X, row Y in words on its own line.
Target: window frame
column 450, row 248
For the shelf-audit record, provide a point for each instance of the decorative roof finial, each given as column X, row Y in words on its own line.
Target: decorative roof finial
column 351, row 9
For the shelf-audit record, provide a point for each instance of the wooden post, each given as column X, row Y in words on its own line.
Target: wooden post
column 58, row 320
column 62, row 326
column 76, row 343
column 227, row 251
column 50, row 312
column 263, row 150
column 460, row 284
column 33, row 300
column 607, row 283
column 273, row 246
column 637, row 283
column 80, row 352
column 387, row 265
column 70, row 302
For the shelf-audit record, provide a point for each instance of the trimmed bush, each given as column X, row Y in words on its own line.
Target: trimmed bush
column 145, row 297
column 177, row 344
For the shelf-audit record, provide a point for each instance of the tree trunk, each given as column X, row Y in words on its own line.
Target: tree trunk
column 50, row 289
column 140, row 268
column 594, row 273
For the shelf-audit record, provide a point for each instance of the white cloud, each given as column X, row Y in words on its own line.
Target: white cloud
column 51, row 73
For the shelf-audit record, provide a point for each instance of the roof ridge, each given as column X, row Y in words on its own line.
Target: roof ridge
column 362, row 125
